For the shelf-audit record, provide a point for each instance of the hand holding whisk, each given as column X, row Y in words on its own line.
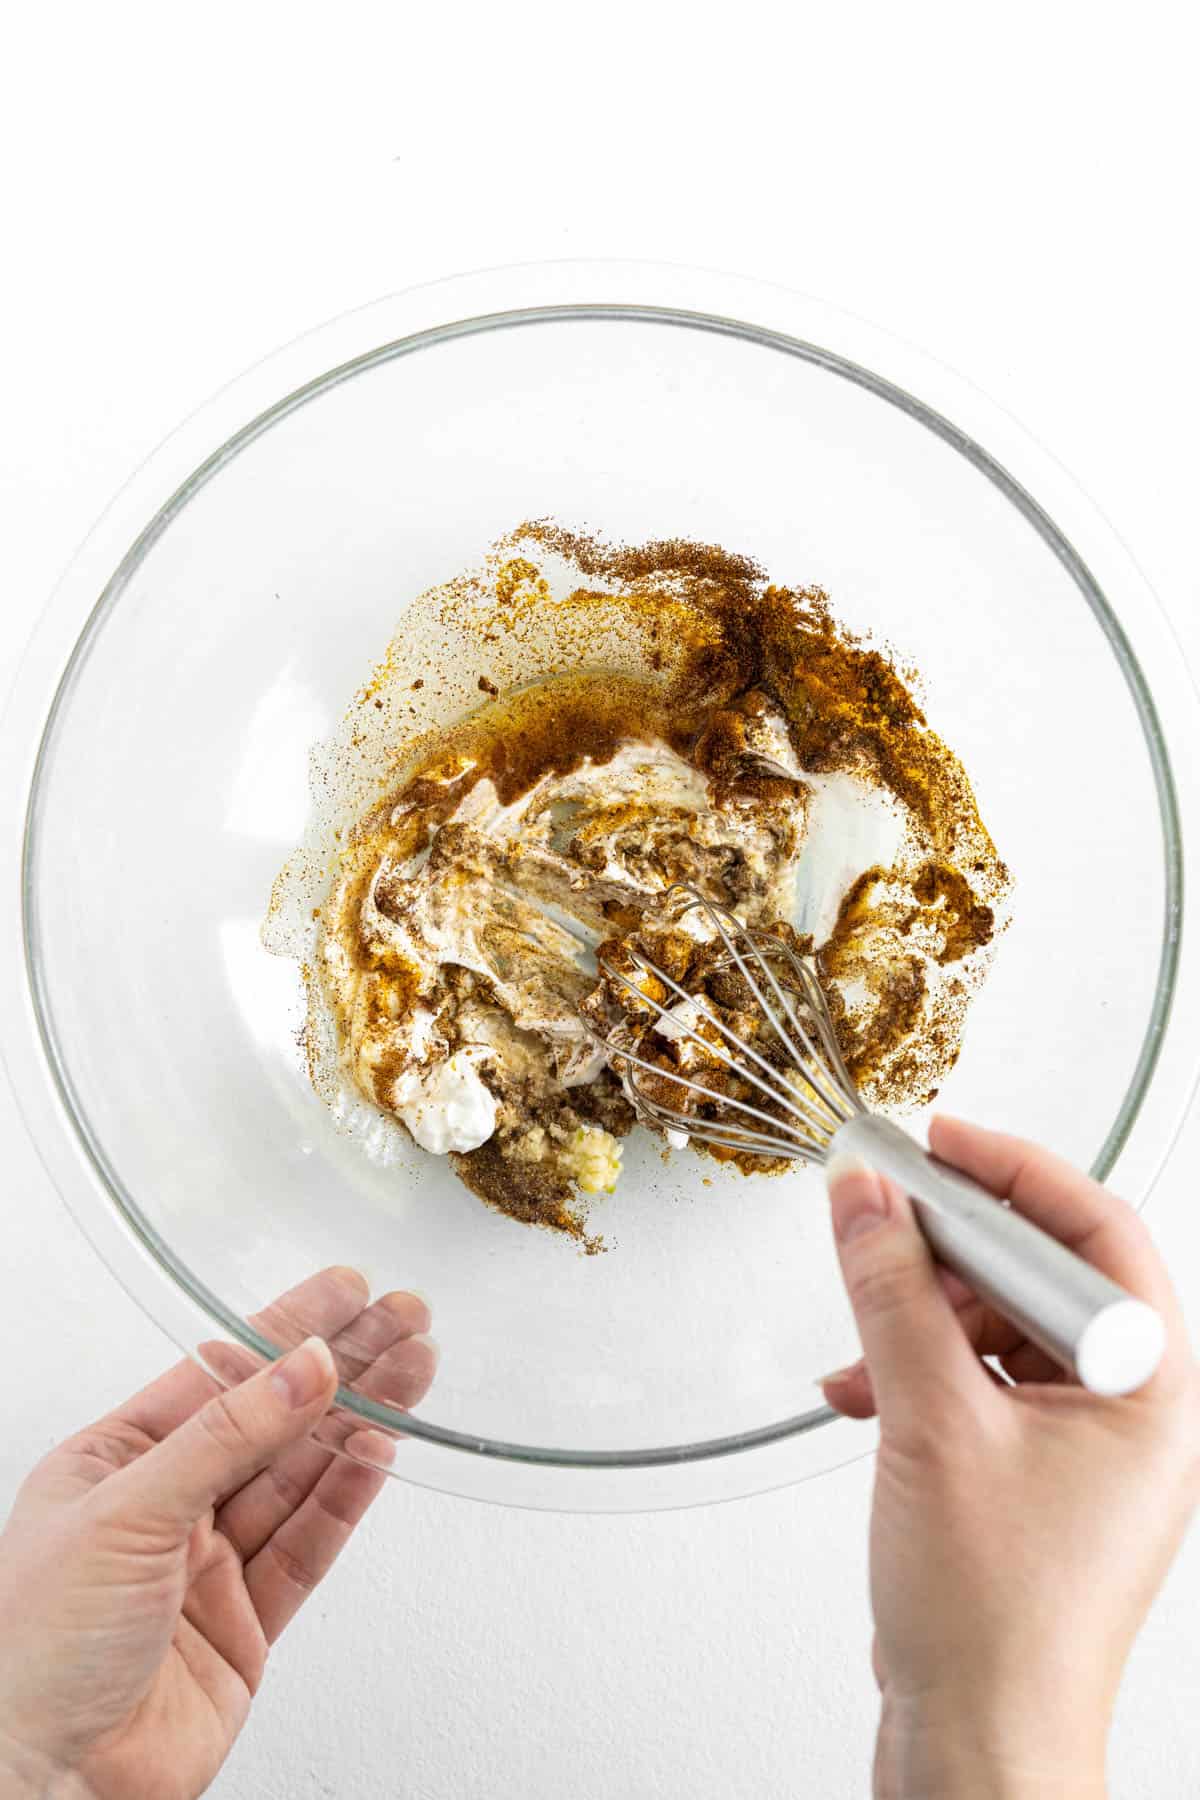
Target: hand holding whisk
column 799, row 1101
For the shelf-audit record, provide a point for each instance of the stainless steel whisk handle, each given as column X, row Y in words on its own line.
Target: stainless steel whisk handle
column 1088, row 1324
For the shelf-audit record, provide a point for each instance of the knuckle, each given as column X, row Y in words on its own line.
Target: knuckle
column 229, row 1540
column 292, row 1569
column 289, row 1489
column 921, row 1438
column 230, row 1364
column 885, row 1287
column 334, row 1511
column 112, row 1444
column 221, row 1420
column 930, row 1444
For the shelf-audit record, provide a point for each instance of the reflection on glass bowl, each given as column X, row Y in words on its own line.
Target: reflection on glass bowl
column 213, row 629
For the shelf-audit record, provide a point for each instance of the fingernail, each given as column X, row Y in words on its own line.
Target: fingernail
column 858, row 1199
column 430, row 1343
column 303, row 1375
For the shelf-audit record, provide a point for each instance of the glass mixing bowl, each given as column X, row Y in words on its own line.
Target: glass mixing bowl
column 219, row 621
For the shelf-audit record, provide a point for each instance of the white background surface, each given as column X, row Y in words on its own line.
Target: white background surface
column 183, row 191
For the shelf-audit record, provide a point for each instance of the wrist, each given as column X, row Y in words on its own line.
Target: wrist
column 952, row 1751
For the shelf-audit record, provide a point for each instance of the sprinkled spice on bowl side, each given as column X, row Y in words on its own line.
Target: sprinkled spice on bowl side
column 653, row 714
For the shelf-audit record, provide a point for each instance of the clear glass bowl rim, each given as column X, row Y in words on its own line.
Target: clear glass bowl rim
column 642, row 276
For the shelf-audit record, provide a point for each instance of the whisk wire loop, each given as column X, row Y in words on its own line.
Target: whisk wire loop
column 813, row 1098
column 778, row 1089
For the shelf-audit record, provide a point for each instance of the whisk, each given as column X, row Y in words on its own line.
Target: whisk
column 811, row 1109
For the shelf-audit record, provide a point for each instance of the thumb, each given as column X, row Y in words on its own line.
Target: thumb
column 237, row 1433
column 916, row 1351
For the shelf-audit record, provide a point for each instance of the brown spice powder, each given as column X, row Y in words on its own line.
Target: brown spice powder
column 723, row 647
